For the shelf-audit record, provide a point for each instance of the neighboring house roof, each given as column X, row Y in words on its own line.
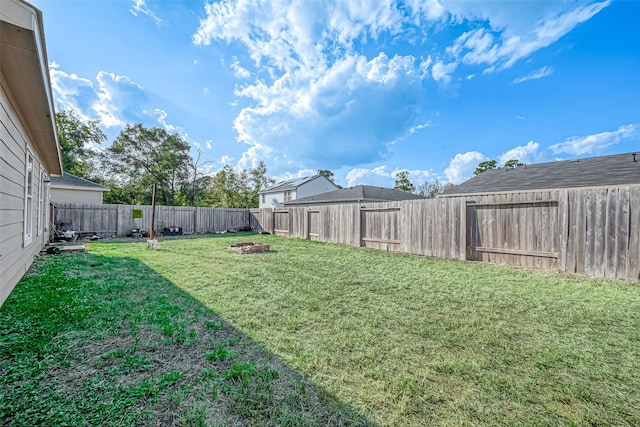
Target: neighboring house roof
column 290, row 184
column 359, row 193
column 613, row 170
column 72, row 182
column 24, row 66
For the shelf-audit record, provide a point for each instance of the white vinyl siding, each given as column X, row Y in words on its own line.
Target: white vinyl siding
column 78, row 195
column 16, row 256
column 314, row 187
column 28, row 199
column 40, row 200
column 45, row 213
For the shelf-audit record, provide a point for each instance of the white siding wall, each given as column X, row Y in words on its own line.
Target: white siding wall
column 277, row 197
column 66, row 195
column 317, row 186
column 15, row 256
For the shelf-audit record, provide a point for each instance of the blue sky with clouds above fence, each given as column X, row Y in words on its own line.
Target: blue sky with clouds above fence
column 363, row 88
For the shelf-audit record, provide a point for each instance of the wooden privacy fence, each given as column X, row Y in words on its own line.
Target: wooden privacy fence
column 119, row 220
column 593, row 232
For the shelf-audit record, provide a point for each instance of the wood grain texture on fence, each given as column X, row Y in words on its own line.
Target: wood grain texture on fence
column 593, row 232
column 515, row 229
column 602, row 232
column 118, row 220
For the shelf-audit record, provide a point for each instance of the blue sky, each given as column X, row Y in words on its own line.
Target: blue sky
column 364, row 88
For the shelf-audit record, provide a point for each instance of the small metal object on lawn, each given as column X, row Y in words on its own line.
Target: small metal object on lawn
column 249, row 247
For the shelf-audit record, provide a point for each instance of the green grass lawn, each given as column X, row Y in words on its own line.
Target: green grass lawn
column 312, row 334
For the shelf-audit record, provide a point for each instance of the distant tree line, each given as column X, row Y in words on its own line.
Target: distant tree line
column 141, row 156
column 429, row 189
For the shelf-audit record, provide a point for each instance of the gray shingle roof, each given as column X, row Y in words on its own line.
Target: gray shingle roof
column 617, row 169
column 363, row 193
column 67, row 181
column 289, row 184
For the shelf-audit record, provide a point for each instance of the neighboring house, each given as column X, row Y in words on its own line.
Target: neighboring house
column 602, row 171
column 357, row 194
column 73, row 189
column 294, row 189
column 29, row 148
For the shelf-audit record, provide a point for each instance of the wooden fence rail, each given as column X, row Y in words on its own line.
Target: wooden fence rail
column 592, row 232
column 119, row 220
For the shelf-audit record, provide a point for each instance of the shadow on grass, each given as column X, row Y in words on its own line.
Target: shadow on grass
column 93, row 340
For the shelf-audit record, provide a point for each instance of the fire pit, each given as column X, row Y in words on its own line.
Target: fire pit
column 249, row 247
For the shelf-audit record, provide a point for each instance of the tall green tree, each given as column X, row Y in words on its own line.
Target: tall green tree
column 140, row 157
column 237, row 188
column 402, row 182
column 485, row 166
column 78, row 140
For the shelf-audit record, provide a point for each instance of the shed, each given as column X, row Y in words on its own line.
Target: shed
column 73, row 189
column 29, row 148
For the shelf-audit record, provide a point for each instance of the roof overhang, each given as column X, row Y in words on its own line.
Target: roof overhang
column 24, row 67
column 79, row 188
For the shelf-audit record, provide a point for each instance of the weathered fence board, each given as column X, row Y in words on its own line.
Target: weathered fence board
column 118, row 220
column 593, row 232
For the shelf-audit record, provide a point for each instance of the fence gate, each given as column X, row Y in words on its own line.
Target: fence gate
column 380, row 228
column 313, row 220
column 281, row 223
column 517, row 233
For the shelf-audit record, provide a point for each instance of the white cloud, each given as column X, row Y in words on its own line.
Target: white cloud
column 117, row 95
column 319, row 101
column 344, row 117
column 382, row 176
column 418, row 127
column 594, row 144
column 379, row 176
column 534, row 75
column 514, row 30
column 112, row 100
column 442, row 72
column 238, row 70
column 526, row 154
column 71, row 91
column 140, row 6
column 319, row 98
column 462, row 166
column 161, row 116
column 519, row 117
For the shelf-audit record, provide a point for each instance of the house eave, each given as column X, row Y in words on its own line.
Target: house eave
column 24, row 68
column 79, row 188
